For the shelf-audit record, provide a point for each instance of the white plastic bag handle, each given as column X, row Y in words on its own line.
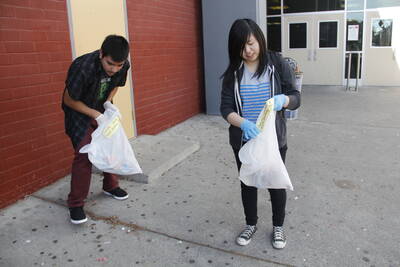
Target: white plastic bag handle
column 109, row 105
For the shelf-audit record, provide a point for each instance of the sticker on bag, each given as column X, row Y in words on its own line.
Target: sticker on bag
column 262, row 118
column 112, row 127
column 110, row 150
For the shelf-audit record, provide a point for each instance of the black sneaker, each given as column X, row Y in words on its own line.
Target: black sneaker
column 77, row 214
column 117, row 193
column 245, row 236
column 278, row 237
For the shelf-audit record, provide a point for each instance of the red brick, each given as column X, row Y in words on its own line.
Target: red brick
column 29, row 13
column 51, row 67
column 60, row 76
column 9, row 35
column 62, row 26
column 24, row 81
column 6, row 94
column 63, row 56
column 44, row 56
column 42, row 25
column 18, row 70
column 47, row 4
column 11, row 23
column 19, row 47
column 6, row 118
column 26, row 156
column 23, row 169
column 5, row 59
column 19, row 137
column 15, row 2
column 56, row 15
column 26, row 91
column 57, row 36
column 51, row 88
column 7, row 11
column 58, row 127
column 32, row 36
column 14, row 59
column 47, row 46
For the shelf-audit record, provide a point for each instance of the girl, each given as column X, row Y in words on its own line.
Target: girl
column 259, row 75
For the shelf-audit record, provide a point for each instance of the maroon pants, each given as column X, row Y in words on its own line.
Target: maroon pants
column 81, row 173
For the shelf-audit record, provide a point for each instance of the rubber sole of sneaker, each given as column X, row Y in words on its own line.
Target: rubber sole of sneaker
column 278, row 245
column 242, row 242
column 79, row 221
column 115, row 197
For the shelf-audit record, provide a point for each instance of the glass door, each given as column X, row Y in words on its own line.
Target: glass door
column 297, row 42
column 315, row 41
column 354, row 49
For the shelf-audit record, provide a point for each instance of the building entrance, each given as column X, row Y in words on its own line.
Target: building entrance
column 315, row 41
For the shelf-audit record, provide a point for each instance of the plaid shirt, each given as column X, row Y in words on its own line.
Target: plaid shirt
column 83, row 84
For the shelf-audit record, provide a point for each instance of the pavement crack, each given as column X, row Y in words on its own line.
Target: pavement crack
column 115, row 221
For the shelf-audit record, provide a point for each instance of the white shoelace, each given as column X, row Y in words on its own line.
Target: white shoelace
column 278, row 233
column 248, row 231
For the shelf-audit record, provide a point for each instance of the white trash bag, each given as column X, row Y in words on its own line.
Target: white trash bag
column 110, row 150
column 262, row 165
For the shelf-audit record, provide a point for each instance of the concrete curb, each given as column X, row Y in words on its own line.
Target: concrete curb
column 157, row 154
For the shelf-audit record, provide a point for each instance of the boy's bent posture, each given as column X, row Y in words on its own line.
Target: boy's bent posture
column 92, row 79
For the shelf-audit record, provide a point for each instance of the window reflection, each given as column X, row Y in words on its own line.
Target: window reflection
column 382, row 32
column 295, row 6
column 382, row 3
column 274, row 7
column 274, row 34
column 355, row 4
column 354, row 30
column 328, row 34
column 298, row 35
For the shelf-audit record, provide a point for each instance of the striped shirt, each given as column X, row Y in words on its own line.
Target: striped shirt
column 254, row 92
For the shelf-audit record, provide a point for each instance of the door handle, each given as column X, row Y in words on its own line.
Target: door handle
column 315, row 54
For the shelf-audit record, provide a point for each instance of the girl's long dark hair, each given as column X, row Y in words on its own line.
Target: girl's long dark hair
column 239, row 33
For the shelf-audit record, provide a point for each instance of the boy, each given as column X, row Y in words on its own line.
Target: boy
column 92, row 79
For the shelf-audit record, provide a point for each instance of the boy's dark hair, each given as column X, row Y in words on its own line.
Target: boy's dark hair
column 116, row 47
column 239, row 33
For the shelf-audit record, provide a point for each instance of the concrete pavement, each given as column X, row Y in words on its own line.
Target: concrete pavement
column 344, row 163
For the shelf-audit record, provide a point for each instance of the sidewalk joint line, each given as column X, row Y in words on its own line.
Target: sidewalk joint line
column 113, row 220
column 349, row 126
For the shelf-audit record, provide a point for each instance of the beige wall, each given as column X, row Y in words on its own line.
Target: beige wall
column 91, row 21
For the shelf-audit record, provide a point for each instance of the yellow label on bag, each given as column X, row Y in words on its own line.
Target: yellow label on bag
column 268, row 108
column 112, row 127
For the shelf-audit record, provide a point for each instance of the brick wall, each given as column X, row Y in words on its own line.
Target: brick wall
column 35, row 53
column 166, row 52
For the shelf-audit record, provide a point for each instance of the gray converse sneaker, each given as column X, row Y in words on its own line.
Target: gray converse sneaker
column 245, row 236
column 278, row 237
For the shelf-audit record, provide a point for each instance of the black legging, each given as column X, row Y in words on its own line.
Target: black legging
column 249, row 198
